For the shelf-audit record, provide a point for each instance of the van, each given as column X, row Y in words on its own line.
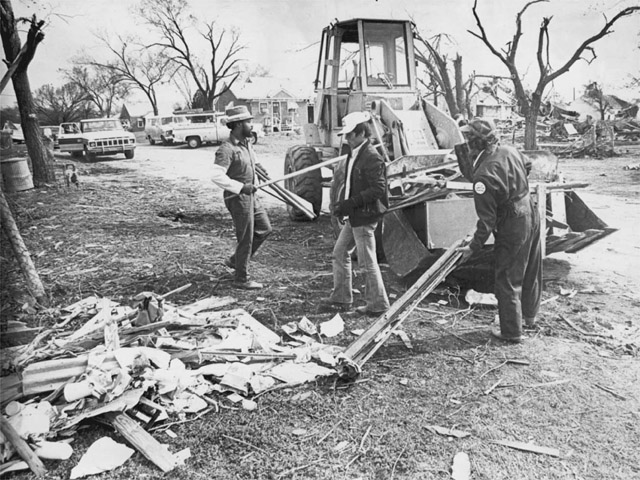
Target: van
column 159, row 128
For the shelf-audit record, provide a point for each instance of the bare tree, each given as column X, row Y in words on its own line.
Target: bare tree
column 530, row 105
column 594, row 92
column 457, row 93
column 171, row 20
column 101, row 86
column 14, row 52
column 140, row 67
column 63, row 104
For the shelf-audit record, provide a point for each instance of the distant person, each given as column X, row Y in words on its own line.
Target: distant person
column 362, row 202
column 506, row 209
column 234, row 171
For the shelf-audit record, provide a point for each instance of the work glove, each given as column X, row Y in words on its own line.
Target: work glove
column 466, row 253
column 248, row 189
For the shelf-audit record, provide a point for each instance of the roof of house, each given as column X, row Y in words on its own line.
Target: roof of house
column 269, row 87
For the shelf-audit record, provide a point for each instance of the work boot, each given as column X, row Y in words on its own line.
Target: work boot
column 247, row 285
column 529, row 323
column 370, row 313
column 497, row 334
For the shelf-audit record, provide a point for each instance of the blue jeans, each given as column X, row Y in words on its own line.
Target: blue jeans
column 252, row 229
column 362, row 239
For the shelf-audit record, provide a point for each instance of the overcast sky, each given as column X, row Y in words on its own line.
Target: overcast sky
column 282, row 35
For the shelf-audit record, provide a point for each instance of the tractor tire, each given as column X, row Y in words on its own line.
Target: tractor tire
column 128, row 154
column 308, row 185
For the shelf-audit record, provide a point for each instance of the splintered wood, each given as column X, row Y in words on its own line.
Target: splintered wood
column 374, row 337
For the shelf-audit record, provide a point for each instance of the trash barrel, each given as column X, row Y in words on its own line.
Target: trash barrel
column 16, row 175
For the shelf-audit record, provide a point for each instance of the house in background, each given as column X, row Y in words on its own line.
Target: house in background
column 132, row 122
column 494, row 100
column 277, row 104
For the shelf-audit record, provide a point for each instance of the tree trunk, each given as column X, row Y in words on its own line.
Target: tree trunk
column 42, row 167
column 531, row 122
column 34, row 284
column 457, row 69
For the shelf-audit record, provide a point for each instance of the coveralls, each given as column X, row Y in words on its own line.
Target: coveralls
column 234, row 167
column 506, row 209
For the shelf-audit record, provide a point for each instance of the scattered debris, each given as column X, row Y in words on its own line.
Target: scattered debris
column 461, row 469
column 136, row 368
column 333, row 327
column 447, row 432
column 476, row 298
column 527, row 447
column 103, row 455
column 608, row 390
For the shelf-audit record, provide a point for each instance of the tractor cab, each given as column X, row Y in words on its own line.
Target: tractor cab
column 361, row 61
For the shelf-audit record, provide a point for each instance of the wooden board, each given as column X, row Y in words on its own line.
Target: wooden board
column 142, row 440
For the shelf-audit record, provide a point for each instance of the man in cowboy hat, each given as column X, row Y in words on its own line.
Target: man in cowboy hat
column 505, row 208
column 361, row 205
column 234, row 171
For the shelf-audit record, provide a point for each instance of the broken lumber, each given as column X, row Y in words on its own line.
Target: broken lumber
column 528, row 447
column 142, row 441
column 35, row 464
column 373, row 338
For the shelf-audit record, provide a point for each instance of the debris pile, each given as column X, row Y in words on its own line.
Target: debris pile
column 135, row 368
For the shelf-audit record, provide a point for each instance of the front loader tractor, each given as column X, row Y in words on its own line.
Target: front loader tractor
column 369, row 65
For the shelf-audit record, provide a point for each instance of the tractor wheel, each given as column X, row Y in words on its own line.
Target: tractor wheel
column 307, row 185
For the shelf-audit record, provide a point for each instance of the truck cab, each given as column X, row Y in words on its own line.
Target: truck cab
column 105, row 136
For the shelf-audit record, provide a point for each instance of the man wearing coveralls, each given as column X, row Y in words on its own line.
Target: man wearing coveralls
column 235, row 171
column 506, row 209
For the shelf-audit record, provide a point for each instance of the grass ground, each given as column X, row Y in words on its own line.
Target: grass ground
column 117, row 239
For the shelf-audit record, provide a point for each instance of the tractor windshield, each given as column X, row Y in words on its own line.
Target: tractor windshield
column 386, row 54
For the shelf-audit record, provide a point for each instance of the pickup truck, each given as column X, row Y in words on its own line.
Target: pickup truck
column 97, row 136
column 205, row 128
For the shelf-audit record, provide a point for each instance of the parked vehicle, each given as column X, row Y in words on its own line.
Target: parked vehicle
column 199, row 128
column 159, row 128
column 93, row 137
column 70, row 139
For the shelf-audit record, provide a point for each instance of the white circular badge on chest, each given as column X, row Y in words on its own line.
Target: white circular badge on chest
column 479, row 188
